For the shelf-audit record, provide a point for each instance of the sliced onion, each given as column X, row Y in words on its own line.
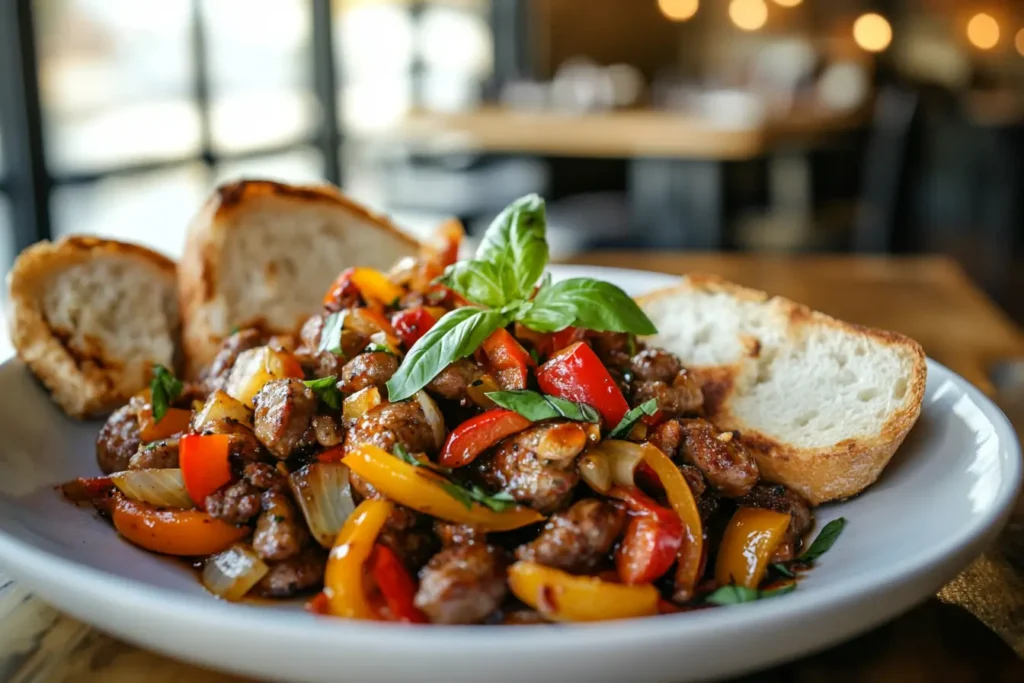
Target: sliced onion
column 354, row 406
column 325, row 497
column 623, row 459
column 160, row 488
column 221, row 406
column 232, row 573
column 404, row 270
column 434, row 417
column 596, row 471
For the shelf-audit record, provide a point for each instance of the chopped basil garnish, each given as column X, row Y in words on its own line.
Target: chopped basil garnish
column 734, row 595
column 407, row 458
column 782, row 569
column 535, row 406
column 330, row 335
column 499, row 502
column 501, row 281
column 824, row 541
column 165, row 389
column 374, row 347
column 326, row 388
column 621, row 430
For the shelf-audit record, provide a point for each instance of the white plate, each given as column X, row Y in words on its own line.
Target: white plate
column 943, row 498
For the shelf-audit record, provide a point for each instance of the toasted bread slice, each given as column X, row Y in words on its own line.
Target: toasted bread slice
column 262, row 253
column 823, row 404
column 90, row 317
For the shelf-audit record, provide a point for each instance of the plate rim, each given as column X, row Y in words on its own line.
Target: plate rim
column 40, row 570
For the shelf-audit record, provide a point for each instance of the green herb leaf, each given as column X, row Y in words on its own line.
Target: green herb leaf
column 782, row 569
column 165, row 389
column 588, row 303
column 534, row 355
column 734, row 595
column 824, row 541
column 498, row 502
column 330, row 335
column 478, row 281
column 454, row 336
column 648, row 408
column 326, row 388
column 407, row 458
column 374, row 347
column 515, row 244
column 535, row 406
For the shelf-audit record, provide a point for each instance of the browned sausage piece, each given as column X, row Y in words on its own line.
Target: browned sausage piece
column 236, row 503
column 537, row 466
column 683, row 395
column 372, row 369
column 614, row 348
column 464, row 584
column 216, row 374
column 283, row 416
column 156, row 455
column 452, row 382
column 408, row 533
column 578, row 539
column 452, row 533
column 655, row 365
column 780, row 499
column 280, row 532
column 118, row 440
column 724, row 461
column 303, row 572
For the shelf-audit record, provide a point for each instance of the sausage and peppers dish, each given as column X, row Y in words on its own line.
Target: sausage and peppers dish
column 453, row 442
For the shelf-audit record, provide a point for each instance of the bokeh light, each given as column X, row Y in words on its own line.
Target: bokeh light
column 1019, row 42
column 788, row 3
column 983, row 31
column 872, row 32
column 748, row 15
column 679, row 10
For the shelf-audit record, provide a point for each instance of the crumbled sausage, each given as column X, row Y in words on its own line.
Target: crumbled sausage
column 371, row 369
column 464, row 584
column 578, row 539
column 156, row 455
column 283, row 416
column 118, row 440
column 724, row 462
column 280, row 531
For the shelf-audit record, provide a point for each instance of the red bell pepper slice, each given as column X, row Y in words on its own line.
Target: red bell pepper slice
column 203, row 459
column 652, row 541
column 411, row 324
column 563, row 338
column 476, row 435
column 508, row 360
column 577, row 374
column 88, row 489
column 396, row 586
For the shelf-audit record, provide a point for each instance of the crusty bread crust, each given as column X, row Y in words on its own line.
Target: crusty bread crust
column 836, row 472
column 204, row 312
column 84, row 384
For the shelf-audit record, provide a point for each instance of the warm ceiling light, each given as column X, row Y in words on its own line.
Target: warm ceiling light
column 748, row 15
column 678, row 10
column 872, row 32
column 983, row 31
column 1019, row 42
column 788, row 3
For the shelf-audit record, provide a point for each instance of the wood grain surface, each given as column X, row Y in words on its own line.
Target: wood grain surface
column 972, row 631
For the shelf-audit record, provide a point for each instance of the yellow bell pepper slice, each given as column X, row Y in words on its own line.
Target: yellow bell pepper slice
column 422, row 489
column 343, row 578
column 748, row 544
column 375, row 286
column 561, row 596
column 680, row 497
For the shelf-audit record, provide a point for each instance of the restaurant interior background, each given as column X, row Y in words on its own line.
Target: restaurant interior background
column 773, row 125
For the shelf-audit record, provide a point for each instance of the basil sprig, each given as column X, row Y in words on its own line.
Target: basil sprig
column 499, row 502
column 649, row 407
column 330, row 335
column 326, row 388
column 825, row 540
column 734, row 595
column 165, row 389
column 535, row 406
column 500, row 280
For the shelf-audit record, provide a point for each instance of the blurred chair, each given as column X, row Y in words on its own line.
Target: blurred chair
column 888, row 163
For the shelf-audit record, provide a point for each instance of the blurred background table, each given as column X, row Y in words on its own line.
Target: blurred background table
column 972, row 631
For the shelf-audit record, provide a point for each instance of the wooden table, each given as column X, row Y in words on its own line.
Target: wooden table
column 679, row 183
column 968, row 633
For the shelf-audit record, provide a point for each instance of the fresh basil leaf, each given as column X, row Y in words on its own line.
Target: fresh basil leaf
column 516, row 245
column 478, row 281
column 165, row 388
column 782, row 569
column 648, row 408
column 326, row 388
column 499, row 502
column 374, row 347
column 458, row 493
column 330, row 335
column 454, row 336
column 588, row 303
column 824, row 541
column 407, row 458
column 734, row 595
column 535, row 406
